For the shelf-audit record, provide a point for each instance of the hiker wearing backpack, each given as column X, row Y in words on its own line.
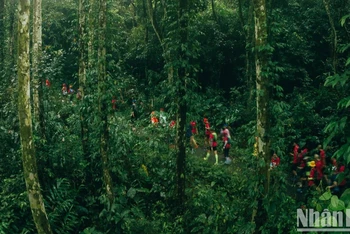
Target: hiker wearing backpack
column 207, row 132
column 213, row 137
column 226, row 148
column 71, row 90
column 225, row 131
column 194, row 132
column 64, row 89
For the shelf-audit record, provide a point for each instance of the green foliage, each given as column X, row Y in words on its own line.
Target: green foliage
column 65, row 213
column 308, row 104
column 15, row 212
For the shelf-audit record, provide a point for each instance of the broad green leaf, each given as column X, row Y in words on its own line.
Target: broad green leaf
column 345, row 197
column 131, row 193
column 343, row 19
column 340, row 206
column 319, row 207
column 334, row 201
column 326, row 196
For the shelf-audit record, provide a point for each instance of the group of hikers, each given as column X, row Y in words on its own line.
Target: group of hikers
column 66, row 90
column 310, row 169
column 313, row 170
column 211, row 140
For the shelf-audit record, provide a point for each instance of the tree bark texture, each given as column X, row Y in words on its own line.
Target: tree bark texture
column 262, row 96
column 247, row 27
column 82, row 50
column 102, row 100
column 213, row 10
column 82, row 76
column 166, row 54
column 91, row 34
column 262, row 99
column 2, row 35
column 9, row 31
column 25, row 122
column 36, row 58
column 334, row 36
column 182, row 107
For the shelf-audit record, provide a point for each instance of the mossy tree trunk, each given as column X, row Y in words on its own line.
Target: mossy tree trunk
column 82, row 76
column 262, row 101
column 36, row 78
column 2, row 35
column 25, row 123
column 182, row 107
column 91, row 34
column 262, row 96
column 10, row 40
column 334, row 35
column 167, row 54
column 247, row 27
column 102, row 100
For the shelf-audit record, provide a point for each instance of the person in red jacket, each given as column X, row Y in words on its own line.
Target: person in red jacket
column 71, row 90
column 312, row 176
column 322, row 154
column 172, row 124
column 194, row 132
column 154, row 119
column 319, row 169
column 207, row 132
column 114, row 103
column 295, row 158
column 213, row 137
column 47, row 83
column 275, row 161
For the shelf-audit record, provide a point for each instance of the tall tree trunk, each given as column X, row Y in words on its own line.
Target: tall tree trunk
column 82, row 76
column 36, row 58
column 2, row 35
column 213, row 10
column 82, row 50
column 249, row 39
column 182, row 107
column 10, row 36
column 334, row 36
column 166, row 54
column 91, row 34
column 25, row 123
column 262, row 96
column 102, row 100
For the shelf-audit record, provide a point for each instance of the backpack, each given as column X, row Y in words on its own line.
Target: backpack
column 215, row 136
column 229, row 140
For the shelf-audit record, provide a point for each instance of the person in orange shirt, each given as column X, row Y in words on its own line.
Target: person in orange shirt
column 154, row 119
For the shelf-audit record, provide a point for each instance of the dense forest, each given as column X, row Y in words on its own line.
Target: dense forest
column 173, row 116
